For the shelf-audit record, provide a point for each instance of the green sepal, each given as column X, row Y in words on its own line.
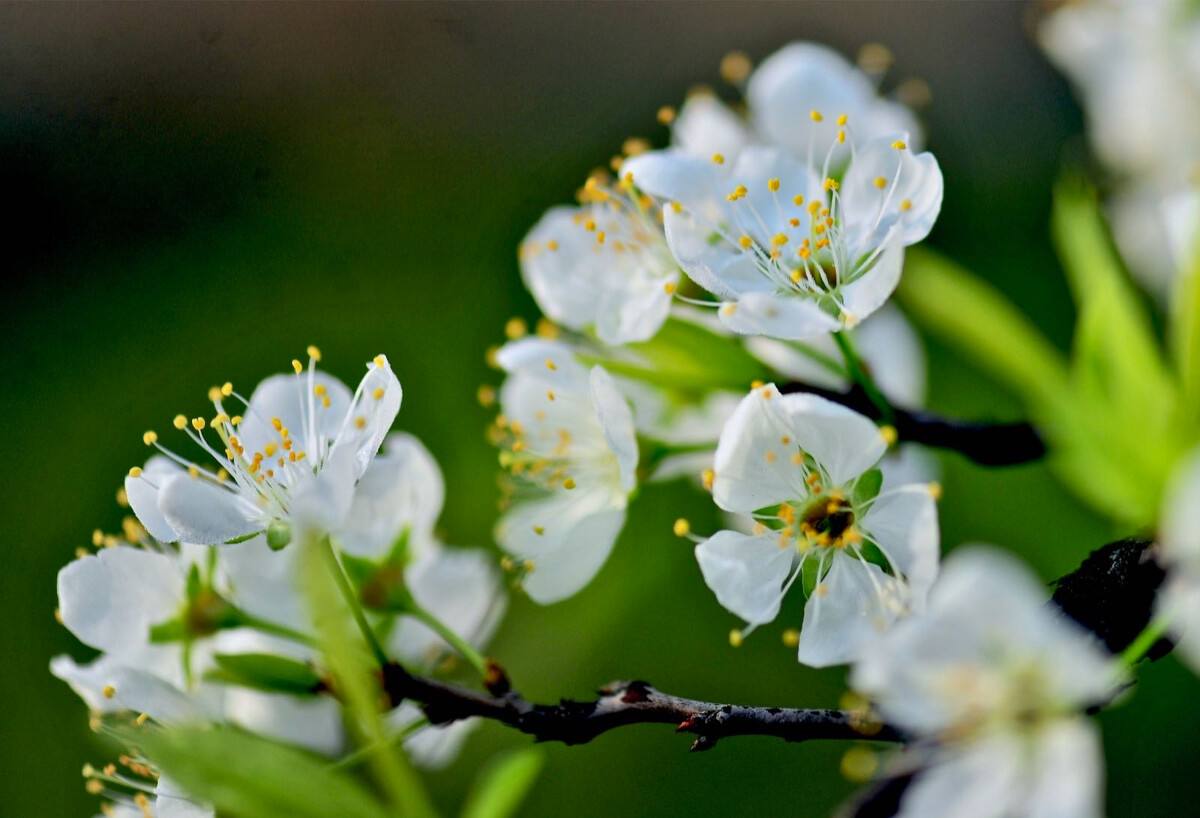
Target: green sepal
column 867, row 487
column 265, row 671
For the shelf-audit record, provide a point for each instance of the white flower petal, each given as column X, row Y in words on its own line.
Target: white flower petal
column 892, row 350
column 705, row 125
column 1068, row 772
column 753, row 466
column 787, row 316
column 202, row 512
column 560, row 575
column 635, row 311
column 110, row 600
column 980, row 780
column 311, row 722
column 616, row 419
column 287, row 397
column 320, row 502
column 264, row 582
column 403, row 487
column 844, row 442
column 142, row 492
column 170, row 801
column 365, row 427
column 910, row 199
column 904, row 523
column 674, row 176
column 1179, row 530
column 850, row 607
column 872, row 289
column 132, row 689
column 746, row 573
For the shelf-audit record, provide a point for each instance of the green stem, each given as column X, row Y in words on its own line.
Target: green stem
column 278, row 630
column 859, row 375
column 461, row 645
column 1145, row 640
column 348, row 593
column 362, row 753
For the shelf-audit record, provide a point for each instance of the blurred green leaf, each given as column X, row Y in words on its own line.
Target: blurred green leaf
column 868, row 486
column 689, row 357
column 251, row 777
column 503, row 784
column 265, row 671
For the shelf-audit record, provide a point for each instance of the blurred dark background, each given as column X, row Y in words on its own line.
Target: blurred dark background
column 195, row 192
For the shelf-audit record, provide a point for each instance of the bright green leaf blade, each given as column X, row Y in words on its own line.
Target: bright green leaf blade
column 503, row 784
column 251, row 777
column 686, row 356
column 975, row 318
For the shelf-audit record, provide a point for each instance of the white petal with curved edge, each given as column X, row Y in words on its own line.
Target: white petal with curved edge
column 635, row 311
column 1067, row 771
column 321, row 502
column 368, row 422
column 462, row 588
column 563, row 281
column 674, row 176
column 746, row 573
column 789, row 317
column 311, row 722
column 132, row 689
column 981, row 779
column 1179, row 600
column 110, row 600
column 616, row 419
column 205, row 513
column 892, row 350
column 565, row 572
column 753, row 465
column 788, row 358
column 142, row 493
column 911, row 198
column 844, row 442
column 288, row 397
column 1179, row 531
column 903, row 522
column 170, row 801
column 869, row 292
column 909, row 463
column 402, row 488
column 850, row 608
column 705, row 125
column 264, row 582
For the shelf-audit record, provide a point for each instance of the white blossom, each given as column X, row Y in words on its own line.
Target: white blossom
column 792, row 252
column 572, row 451
column 992, row 685
column 804, row 467
column 1179, row 543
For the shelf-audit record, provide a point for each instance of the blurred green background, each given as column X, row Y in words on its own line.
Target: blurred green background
column 199, row 191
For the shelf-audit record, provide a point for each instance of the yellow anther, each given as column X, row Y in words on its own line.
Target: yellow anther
column 735, row 67
column 297, row 367
column 180, row 422
column 816, row 115
column 360, row 422
column 552, row 245
column 380, row 361
column 798, row 200
column 546, row 329
column 219, row 420
column 841, row 137
column 589, row 225
column 97, row 538
column 804, row 253
column 935, row 490
column 150, row 438
column 791, row 637
column 198, row 424
column 549, row 394
column 108, row 691
column 779, row 239
column 888, row 433
column 707, row 477
column 569, row 484
column 880, row 182
column 796, row 275
column 600, row 237
column 735, row 638
column 719, row 158
column 319, row 390
column 236, row 420
column 227, row 389
column 313, row 352
column 905, row 205
column 515, row 328
column 859, row 765
column 770, row 456
column 214, row 393
column 745, row 242
column 666, row 115
column 193, row 472
column 773, row 185
column 670, row 287
column 757, row 384
column 539, row 530
column 270, row 449
column 842, row 120
column 378, row 393
column 899, row 144
column 728, row 308
column 830, row 183
column 135, row 471
column 681, row 528
column 676, row 207
column 141, row 720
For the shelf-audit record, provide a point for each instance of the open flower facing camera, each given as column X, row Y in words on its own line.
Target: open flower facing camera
column 281, row 629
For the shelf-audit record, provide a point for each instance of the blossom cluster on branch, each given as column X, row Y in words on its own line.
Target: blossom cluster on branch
column 718, row 309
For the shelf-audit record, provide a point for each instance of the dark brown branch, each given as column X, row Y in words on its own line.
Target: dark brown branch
column 624, row 703
column 989, row 444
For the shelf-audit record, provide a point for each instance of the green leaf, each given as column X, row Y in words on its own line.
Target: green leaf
column 251, row 777
column 265, row 671
column 868, row 486
column 503, row 784
column 972, row 316
column 688, row 357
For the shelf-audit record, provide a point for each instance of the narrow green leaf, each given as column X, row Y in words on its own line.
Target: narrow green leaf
column 867, row 486
column 265, row 671
column 251, row 777
column 503, row 784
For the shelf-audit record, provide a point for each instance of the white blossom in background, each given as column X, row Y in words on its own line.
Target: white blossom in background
column 804, row 468
column 792, row 252
column 780, row 94
column 1136, row 68
column 169, row 801
column 1179, row 541
column 992, row 683
column 291, row 457
column 603, row 266
column 570, row 446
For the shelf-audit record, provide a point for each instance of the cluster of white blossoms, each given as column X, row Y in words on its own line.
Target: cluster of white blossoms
column 1136, row 65
column 718, row 308
column 198, row 609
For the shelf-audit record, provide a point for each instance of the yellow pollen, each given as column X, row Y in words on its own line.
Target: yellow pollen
column 745, row 242
column 198, row 424
column 841, row 137
column 515, row 328
column 719, row 158
column 193, row 472
column 899, row 144
column 798, row 200
column 180, row 422
column 552, row 245
column 830, row 184
column 773, row 185
column 880, row 182
column 549, row 394
column 214, row 393
column 770, row 457
column 735, row 67
column 842, row 120
column 735, row 638
column 97, row 538
column 816, row 115
column 676, row 207
column 796, row 275
column 906, row 205
column 666, row 115
column 779, row 239
column 380, row 361
column 569, row 484
column 728, row 309
column 236, row 420
column 791, row 637
column 888, row 433
column 227, row 389
column 670, row 287
column 794, row 222
column 935, row 491
column 150, row 438
column 319, row 390
column 707, row 477
column 109, row 691
column 681, row 528
column 600, row 237
column 297, row 367
column 136, row 471
column 539, row 530
column 378, row 393
column 313, row 352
